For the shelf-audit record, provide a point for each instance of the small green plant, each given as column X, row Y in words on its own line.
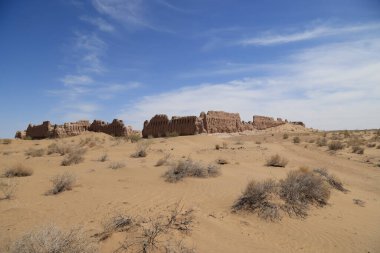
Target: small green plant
column 277, row 161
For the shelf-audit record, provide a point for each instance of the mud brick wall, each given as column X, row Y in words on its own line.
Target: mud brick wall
column 39, row 131
column 221, row 122
column 262, row 122
column 115, row 128
column 70, row 129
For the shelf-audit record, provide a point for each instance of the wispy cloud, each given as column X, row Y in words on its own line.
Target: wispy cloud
column 69, row 80
column 173, row 7
column 100, row 23
column 330, row 87
column 271, row 38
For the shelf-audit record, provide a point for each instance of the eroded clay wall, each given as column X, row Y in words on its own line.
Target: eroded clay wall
column 115, row 128
column 221, row 122
column 70, row 129
column 263, row 122
column 39, row 131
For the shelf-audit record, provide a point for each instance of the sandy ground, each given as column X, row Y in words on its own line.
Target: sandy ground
column 139, row 190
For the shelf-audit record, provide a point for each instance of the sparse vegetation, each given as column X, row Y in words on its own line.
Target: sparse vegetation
column 50, row 239
column 321, row 142
column 33, row 152
column 217, row 146
column 8, row 188
column 117, row 222
column 335, row 145
column 277, row 161
column 60, row 148
column 296, row 140
column 359, row 202
column 221, row 161
column 62, row 182
column 371, row 145
column 285, row 136
column 134, row 137
column 163, row 160
column 258, row 142
column 189, row 168
column 6, row 141
column 171, row 134
column 117, row 165
column 332, row 180
column 103, row 158
column 358, row 150
column 141, row 149
column 75, row 156
column 18, row 170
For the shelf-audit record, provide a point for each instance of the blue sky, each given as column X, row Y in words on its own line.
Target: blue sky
column 315, row 61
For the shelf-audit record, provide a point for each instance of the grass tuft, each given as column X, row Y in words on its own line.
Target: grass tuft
column 277, row 161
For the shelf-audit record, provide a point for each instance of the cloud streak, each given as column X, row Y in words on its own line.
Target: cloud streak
column 100, row 23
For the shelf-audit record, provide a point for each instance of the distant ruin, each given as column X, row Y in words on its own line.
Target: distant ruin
column 48, row 130
column 212, row 122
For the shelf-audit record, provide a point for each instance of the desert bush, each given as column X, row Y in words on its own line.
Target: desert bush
column 260, row 198
column 221, row 161
column 62, row 182
column 33, row 152
column 258, row 142
column 6, row 141
column 378, row 146
column 189, row 168
column 217, row 146
column 296, row 139
column 134, row 137
column 371, row 145
column 75, row 156
column 103, row 158
column 18, row 170
column 321, row 142
column 163, row 160
column 355, row 141
column 60, row 148
column 50, row 239
column 335, row 145
column 116, row 222
column 332, row 180
column 141, row 149
column 285, row 136
column 300, row 189
column 171, row 134
column 116, row 165
column 8, row 188
column 277, row 161
column 311, row 141
column 225, row 145
column 357, row 150
column 359, row 202
column 89, row 142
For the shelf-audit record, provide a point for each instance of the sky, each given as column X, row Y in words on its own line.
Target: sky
column 315, row 61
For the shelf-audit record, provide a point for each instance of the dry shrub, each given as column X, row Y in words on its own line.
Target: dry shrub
column 189, row 168
column 356, row 141
column 134, row 137
column 75, row 156
column 178, row 247
column 277, row 161
column 8, row 188
column 33, row 152
column 89, row 142
column 258, row 142
column 378, row 146
column 221, row 161
column 217, row 146
column 332, row 180
column 357, row 150
column 18, row 170
column 296, row 140
column 117, row 165
column 116, row 222
column 141, row 149
column 335, row 145
column 62, row 182
column 311, row 141
column 285, row 136
column 225, row 145
column 51, row 239
column 359, row 202
column 171, row 134
column 163, row 160
column 6, row 141
column 260, row 198
column 60, row 148
column 301, row 189
column 103, row 158
column 371, row 145
column 321, row 142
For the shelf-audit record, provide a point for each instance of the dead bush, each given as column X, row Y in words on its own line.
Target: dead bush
column 321, row 142
column 163, row 160
column 258, row 142
column 141, row 149
column 189, row 168
column 8, row 188
column 285, row 136
column 6, row 141
column 60, row 148
column 277, row 161
column 33, row 152
column 62, row 182
column 103, row 158
column 134, row 137
column 301, row 189
column 335, row 145
column 357, row 150
column 332, row 180
column 51, row 239
column 75, row 156
column 359, row 202
column 296, row 140
column 221, row 161
column 217, row 146
column 371, row 145
column 117, row 165
column 378, row 146
column 116, row 222
column 18, row 170
column 260, row 198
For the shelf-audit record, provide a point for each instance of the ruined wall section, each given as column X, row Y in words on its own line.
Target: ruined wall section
column 263, row 122
column 221, row 122
column 115, row 128
column 39, row 131
column 70, row 129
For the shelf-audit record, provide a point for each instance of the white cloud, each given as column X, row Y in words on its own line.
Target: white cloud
column 334, row 86
column 313, row 33
column 100, row 23
column 76, row 80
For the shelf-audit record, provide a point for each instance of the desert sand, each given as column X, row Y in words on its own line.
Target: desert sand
column 139, row 190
